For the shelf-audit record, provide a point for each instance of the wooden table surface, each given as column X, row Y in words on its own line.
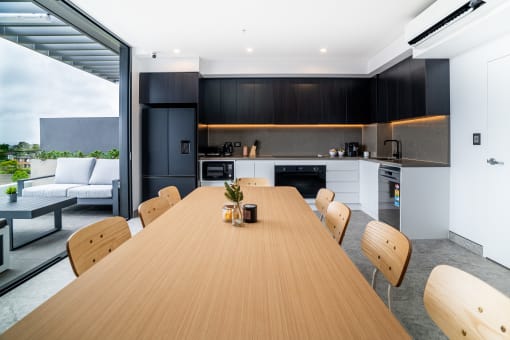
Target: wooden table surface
column 190, row 276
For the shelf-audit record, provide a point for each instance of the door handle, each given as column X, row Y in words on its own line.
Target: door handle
column 493, row 161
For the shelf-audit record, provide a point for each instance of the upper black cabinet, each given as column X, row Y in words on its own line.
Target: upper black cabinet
column 285, row 101
column 169, row 88
column 414, row 88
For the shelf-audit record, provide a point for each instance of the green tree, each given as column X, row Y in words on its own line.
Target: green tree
column 22, row 146
column 8, row 167
column 19, row 174
column 35, row 147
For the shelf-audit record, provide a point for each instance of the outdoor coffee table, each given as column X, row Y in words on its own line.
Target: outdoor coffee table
column 31, row 207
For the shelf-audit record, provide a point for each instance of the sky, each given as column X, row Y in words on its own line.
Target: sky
column 34, row 86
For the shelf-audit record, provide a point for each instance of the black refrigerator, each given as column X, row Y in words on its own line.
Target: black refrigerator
column 169, row 152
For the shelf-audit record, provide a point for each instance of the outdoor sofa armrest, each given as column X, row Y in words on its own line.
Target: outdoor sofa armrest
column 21, row 182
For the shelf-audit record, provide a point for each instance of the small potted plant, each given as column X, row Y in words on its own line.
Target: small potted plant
column 11, row 192
column 234, row 194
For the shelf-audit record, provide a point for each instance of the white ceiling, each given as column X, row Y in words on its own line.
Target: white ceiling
column 350, row 30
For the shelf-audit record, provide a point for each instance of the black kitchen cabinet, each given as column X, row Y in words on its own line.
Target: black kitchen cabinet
column 255, row 101
column 414, row 88
column 210, row 102
column 333, row 100
column 301, row 102
column 228, row 101
column 168, row 88
column 357, row 101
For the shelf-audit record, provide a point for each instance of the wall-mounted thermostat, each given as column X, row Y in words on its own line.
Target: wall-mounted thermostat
column 477, row 138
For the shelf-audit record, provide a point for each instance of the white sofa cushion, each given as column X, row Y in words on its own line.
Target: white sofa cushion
column 48, row 190
column 74, row 170
column 91, row 191
column 105, row 171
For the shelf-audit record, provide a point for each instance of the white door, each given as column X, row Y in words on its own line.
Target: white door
column 497, row 229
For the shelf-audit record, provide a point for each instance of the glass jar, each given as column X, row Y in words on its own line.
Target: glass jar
column 226, row 213
column 237, row 215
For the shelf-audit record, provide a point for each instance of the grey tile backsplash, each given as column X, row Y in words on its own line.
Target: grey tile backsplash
column 287, row 141
column 426, row 140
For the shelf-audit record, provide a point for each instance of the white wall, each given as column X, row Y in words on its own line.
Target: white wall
column 148, row 64
column 469, row 189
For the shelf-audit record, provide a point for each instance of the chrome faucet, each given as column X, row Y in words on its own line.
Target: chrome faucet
column 398, row 154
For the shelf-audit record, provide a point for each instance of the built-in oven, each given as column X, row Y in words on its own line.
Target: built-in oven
column 215, row 173
column 307, row 179
column 389, row 195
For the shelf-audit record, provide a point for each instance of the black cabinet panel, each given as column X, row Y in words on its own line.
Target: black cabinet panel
column 210, row 104
column 333, row 99
column 437, row 87
column 358, row 101
column 228, row 101
column 154, row 142
column 255, row 101
column 414, row 88
column 151, row 185
column 168, row 88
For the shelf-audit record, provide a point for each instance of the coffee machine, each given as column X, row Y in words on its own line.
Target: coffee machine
column 352, row 149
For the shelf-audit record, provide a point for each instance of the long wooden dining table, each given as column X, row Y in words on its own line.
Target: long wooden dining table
column 188, row 275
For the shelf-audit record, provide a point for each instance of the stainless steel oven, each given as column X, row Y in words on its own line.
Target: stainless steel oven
column 307, row 179
column 389, row 195
column 215, row 173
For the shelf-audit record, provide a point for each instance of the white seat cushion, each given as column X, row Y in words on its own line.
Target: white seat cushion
column 105, row 171
column 48, row 190
column 74, row 170
column 91, row 191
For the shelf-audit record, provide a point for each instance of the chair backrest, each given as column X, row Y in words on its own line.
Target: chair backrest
column 464, row 306
column 322, row 200
column 253, row 181
column 152, row 209
column 91, row 243
column 337, row 219
column 171, row 194
column 388, row 249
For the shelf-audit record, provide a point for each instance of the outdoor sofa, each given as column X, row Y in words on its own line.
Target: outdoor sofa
column 92, row 181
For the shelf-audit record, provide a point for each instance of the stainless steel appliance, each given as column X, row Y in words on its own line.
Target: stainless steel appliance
column 215, row 173
column 307, row 179
column 352, row 149
column 389, row 195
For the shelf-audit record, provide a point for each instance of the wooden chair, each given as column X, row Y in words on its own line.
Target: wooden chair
column 171, row 194
column 337, row 219
column 90, row 244
column 322, row 200
column 152, row 209
column 465, row 307
column 253, row 182
column 389, row 251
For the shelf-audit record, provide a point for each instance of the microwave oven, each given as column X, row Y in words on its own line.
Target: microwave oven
column 217, row 171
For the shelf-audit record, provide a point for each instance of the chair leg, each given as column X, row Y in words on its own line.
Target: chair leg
column 321, row 217
column 374, row 274
column 389, row 297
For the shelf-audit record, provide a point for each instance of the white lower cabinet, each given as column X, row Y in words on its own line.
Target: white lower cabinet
column 255, row 168
column 244, row 168
column 265, row 169
column 369, row 188
column 342, row 177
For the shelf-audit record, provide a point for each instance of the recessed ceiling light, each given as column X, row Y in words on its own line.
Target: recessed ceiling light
column 323, row 50
column 177, row 51
column 249, row 50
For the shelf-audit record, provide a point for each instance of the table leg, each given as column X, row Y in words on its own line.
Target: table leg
column 58, row 219
column 11, row 233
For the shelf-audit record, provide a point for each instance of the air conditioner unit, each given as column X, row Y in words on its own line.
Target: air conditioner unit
column 450, row 27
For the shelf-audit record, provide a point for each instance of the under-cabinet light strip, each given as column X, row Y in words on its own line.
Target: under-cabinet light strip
column 279, row 126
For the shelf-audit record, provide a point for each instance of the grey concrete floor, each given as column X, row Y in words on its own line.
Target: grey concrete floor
column 407, row 300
